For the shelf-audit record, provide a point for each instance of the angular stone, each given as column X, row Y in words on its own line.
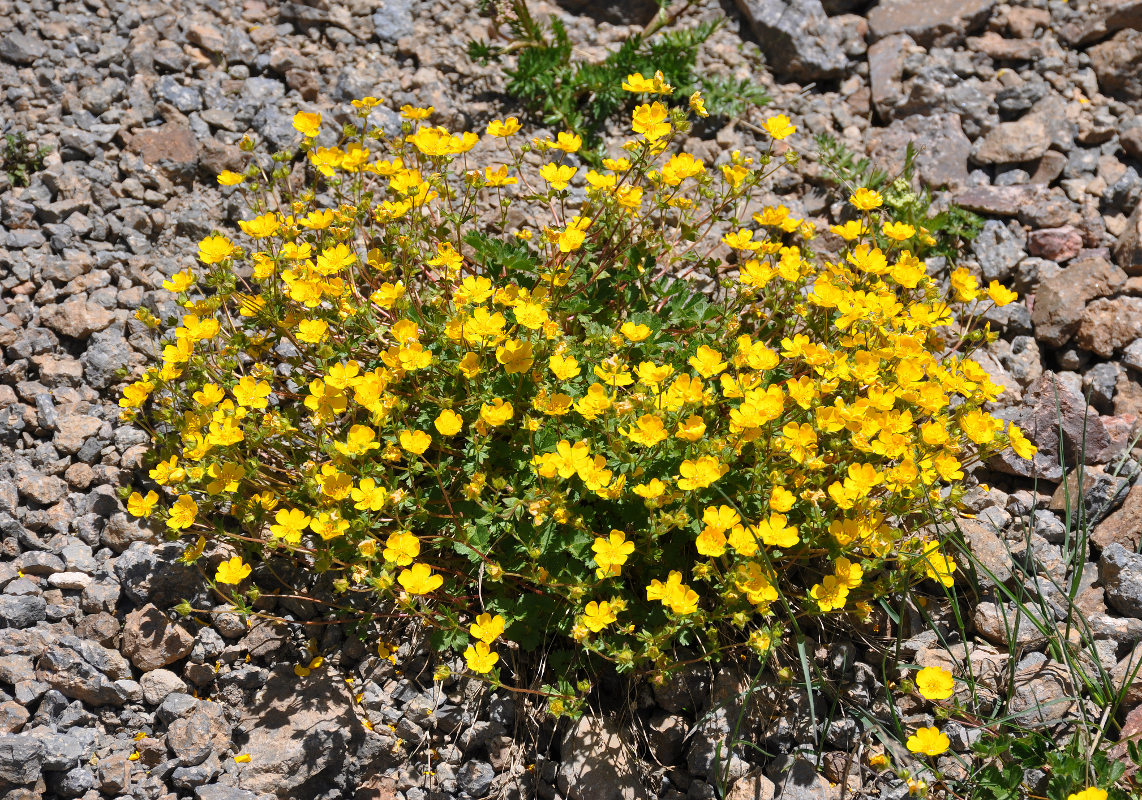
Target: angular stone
column 1043, row 694
column 1001, row 201
column 1060, row 300
column 1124, row 526
column 73, row 431
column 886, row 72
column 1117, row 63
column 301, row 731
column 1056, row 244
column 1094, row 21
column 942, row 160
column 76, row 318
column 151, row 640
column 994, row 559
column 1110, row 324
column 21, row 759
column 597, row 763
column 20, row 48
column 203, row 732
column 1127, row 249
column 1012, row 142
column 1120, row 571
column 929, row 22
column 799, row 40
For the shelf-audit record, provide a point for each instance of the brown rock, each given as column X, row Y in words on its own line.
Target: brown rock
column 1024, row 22
column 1096, row 21
column 1128, row 249
column 1124, row 526
column 73, row 430
column 998, row 48
column 1012, row 142
column 1000, row 201
column 151, row 640
column 1043, row 694
column 988, row 550
column 1131, row 732
column 1117, row 64
column 171, row 147
column 886, row 72
column 76, row 318
column 1047, row 402
column 1060, row 301
column 1130, row 137
column 754, row 786
column 1108, row 325
column 1006, row 626
column 57, row 371
column 39, row 488
column 114, row 774
column 207, row 37
column 1056, row 244
column 929, row 22
column 597, row 763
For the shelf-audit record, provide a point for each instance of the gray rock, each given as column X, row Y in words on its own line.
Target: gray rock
column 797, row 779
column 20, row 48
column 217, row 791
column 929, row 22
column 21, row 759
column 185, row 98
column 194, row 737
column 68, row 749
column 799, row 40
column 159, row 683
column 1120, row 572
column 475, row 778
column 998, row 250
column 597, row 765
column 393, row 20
column 75, row 782
column 22, row 612
column 943, row 149
column 300, row 733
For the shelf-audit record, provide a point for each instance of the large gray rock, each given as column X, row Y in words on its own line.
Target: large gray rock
column 21, row 759
column 1120, row 571
column 598, row 764
column 1088, row 22
column 942, row 157
column 80, row 670
column 929, row 22
column 301, row 732
column 1012, row 142
column 799, row 41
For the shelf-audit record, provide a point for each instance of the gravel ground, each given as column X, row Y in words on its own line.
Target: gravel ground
column 1026, row 113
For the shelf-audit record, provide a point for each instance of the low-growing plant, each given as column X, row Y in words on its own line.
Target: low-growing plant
column 20, row 158
column 582, row 96
column 943, row 233
column 515, row 434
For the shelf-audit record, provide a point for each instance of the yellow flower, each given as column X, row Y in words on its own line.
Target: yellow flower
column 1000, row 294
column 635, row 332
column 233, row 571
column 312, row 331
column 228, row 178
column 212, row 250
column 650, row 490
column 480, row 657
column 707, row 362
column 964, row 284
column 611, row 553
column 648, row 430
column 182, row 513
column 598, row 615
column 830, row 594
column 776, row 532
column 649, row 120
column 1020, row 443
column 568, row 142
column 1093, row 793
column 401, row 548
column 487, row 628
column 415, row 442
column 413, row 113
column 448, row 422
column 898, row 231
column 503, row 128
column 261, row 227
column 698, row 105
column 928, row 741
column 307, row 124
column 558, row 175
column 700, row 473
column 499, row 176
column 779, row 127
column 496, row 413
column 563, row 367
column 242, row 758
column 420, row 579
column 866, row 199
column 139, row 506
column 636, row 83
column 935, row 683
column 674, row 594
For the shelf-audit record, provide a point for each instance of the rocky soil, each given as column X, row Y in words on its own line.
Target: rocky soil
column 1026, row 112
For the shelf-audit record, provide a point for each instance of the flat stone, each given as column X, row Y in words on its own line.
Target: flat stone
column 799, row 40
column 929, row 22
column 1061, row 298
column 1056, row 244
column 76, row 318
column 942, row 161
column 597, row 765
column 1012, row 142
column 1109, row 324
column 21, row 759
column 20, row 48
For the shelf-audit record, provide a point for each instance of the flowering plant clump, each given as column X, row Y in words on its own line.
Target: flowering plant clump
column 517, row 430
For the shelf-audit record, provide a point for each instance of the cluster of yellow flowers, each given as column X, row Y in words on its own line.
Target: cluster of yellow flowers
column 516, row 432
